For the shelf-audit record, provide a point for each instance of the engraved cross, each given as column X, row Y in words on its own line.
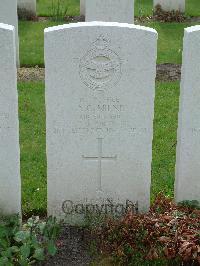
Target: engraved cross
column 99, row 159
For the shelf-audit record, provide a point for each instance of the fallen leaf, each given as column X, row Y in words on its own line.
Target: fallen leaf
column 164, row 239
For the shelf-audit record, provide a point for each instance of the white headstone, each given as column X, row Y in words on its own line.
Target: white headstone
column 187, row 186
column 170, row 5
column 8, row 15
column 110, row 10
column 10, row 188
column 82, row 7
column 100, row 106
column 29, row 5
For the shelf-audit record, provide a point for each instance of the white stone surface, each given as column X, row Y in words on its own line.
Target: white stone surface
column 169, row 5
column 82, row 7
column 10, row 187
column 8, row 15
column 99, row 106
column 187, row 186
column 29, row 5
column 110, row 10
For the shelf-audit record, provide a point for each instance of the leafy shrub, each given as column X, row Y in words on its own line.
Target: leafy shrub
column 24, row 245
column 167, row 235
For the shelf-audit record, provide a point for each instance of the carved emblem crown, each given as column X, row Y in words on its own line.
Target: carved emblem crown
column 101, row 42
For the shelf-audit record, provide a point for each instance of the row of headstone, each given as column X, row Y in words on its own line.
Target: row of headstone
column 109, row 10
column 94, row 10
column 101, row 8
column 99, row 118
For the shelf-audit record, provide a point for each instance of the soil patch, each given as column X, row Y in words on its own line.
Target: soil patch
column 31, row 74
column 138, row 20
column 165, row 72
column 68, row 19
column 72, row 248
column 141, row 20
column 168, row 72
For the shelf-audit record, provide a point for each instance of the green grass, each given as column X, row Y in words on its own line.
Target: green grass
column 32, row 42
column 170, row 39
column 142, row 7
column 164, row 143
column 32, row 144
column 44, row 7
column 32, row 141
column 193, row 8
column 170, row 35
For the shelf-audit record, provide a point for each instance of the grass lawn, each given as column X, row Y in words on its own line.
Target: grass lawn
column 32, row 42
column 32, row 141
column 45, row 7
column 164, row 143
column 142, row 7
column 170, row 39
column 193, row 8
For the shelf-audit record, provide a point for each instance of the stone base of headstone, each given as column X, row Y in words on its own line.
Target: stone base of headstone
column 171, row 5
column 27, row 6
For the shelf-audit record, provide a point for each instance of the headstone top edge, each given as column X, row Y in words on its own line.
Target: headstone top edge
column 192, row 29
column 7, row 27
column 99, row 23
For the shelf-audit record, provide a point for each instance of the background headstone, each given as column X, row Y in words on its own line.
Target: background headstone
column 8, row 15
column 82, row 7
column 10, row 187
column 169, row 5
column 28, row 5
column 187, row 186
column 109, row 10
column 99, row 106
